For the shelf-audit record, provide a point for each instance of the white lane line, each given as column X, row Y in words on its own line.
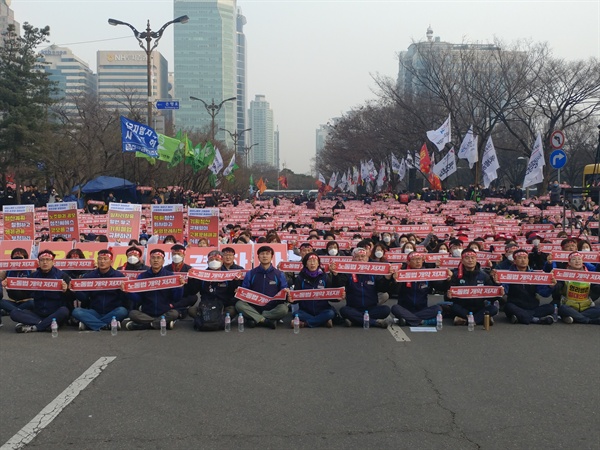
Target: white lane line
column 54, row 408
column 398, row 334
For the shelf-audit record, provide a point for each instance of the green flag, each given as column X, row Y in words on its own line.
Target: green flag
column 167, row 147
column 150, row 159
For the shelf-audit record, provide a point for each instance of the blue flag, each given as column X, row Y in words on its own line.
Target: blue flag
column 137, row 137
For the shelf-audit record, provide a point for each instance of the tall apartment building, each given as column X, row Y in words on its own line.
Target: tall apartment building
column 241, row 80
column 72, row 75
column 206, row 64
column 123, row 82
column 7, row 17
column 260, row 118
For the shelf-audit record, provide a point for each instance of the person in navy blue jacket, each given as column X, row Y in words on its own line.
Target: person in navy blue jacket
column 95, row 309
column 47, row 305
column 314, row 313
column 361, row 293
column 522, row 304
column 412, row 308
column 149, row 306
column 17, row 298
column 268, row 281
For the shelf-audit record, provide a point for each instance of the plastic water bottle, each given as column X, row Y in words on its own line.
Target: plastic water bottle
column 366, row 323
column 163, row 326
column 497, row 306
column 296, row 324
column 227, row 323
column 241, row 323
column 471, row 322
column 114, row 326
column 555, row 314
column 54, row 328
column 439, row 324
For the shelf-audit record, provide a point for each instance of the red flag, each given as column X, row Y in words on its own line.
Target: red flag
column 436, row 183
column 283, row 182
column 260, row 184
column 425, row 160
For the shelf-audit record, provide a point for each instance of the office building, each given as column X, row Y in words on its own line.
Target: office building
column 260, row 119
column 241, row 80
column 206, row 65
column 73, row 77
column 7, row 17
column 123, row 83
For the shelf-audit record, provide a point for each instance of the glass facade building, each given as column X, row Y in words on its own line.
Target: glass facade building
column 260, row 117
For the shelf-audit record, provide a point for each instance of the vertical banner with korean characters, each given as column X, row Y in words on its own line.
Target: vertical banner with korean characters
column 167, row 220
column 203, row 223
column 123, row 222
column 62, row 220
column 18, row 222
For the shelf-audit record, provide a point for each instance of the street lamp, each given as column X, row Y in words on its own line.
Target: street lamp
column 235, row 136
column 213, row 109
column 148, row 36
column 247, row 152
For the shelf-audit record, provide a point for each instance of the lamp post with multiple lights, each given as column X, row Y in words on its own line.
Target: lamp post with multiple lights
column 151, row 39
column 213, row 109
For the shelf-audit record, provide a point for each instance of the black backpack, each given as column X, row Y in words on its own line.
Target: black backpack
column 209, row 316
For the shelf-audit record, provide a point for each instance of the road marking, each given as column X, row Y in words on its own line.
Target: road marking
column 55, row 407
column 398, row 334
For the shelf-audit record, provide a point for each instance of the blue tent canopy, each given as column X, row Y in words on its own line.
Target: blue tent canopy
column 103, row 183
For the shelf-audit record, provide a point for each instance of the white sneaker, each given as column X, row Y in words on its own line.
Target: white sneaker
column 82, row 326
column 567, row 319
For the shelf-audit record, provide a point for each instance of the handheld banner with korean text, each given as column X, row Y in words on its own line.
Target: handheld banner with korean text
column 576, row 275
column 75, row 264
column 167, row 220
column 123, row 221
column 410, row 275
column 34, row 284
column 62, row 220
column 18, row 264
column 152, row 284
column 518, row 277
column 365, row 268
column 588, row 257
column 317, row 294
column 215, row 275
column 256, row 298
column 475, row 291
column 203, row 223
column 96, row 284
column 18, row 222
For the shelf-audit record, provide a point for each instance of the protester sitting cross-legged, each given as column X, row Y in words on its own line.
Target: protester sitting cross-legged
column 95, row 309
column 17, row 298
column 190, row 296
column 522, row 303
column 154, row 303
column 412, row 308
column 47, row 305
column 361, row 293
column 268, row 281
column 314, row 313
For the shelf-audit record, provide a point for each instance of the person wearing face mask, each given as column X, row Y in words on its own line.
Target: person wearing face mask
column 134, row 260
column 378, row 253
column 408, row 247
column 332, row 249
column 178, row 266
column 149, row 306
column 455, row 248
column 507, row 257
column 537, row 259
column 17, row 299
column 555, row 193
column 218, row 294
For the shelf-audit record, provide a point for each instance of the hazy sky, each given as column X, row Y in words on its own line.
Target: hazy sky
column 314, row 60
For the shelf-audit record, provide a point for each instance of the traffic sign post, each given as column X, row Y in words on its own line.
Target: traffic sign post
column 558, row 159
column 557, row 139
column 168, row 104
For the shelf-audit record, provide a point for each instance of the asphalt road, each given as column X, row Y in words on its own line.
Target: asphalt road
column 513, row 387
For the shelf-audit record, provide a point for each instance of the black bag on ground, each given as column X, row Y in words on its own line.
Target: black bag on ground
column 210, row 316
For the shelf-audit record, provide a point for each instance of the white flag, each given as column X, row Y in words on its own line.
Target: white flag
column 402, row 170
column 217, row 163
column 489, row 163
column 230, row 166
column 447, row 166
column 468, row 148
column 321, row 179
column 395, row 164
column 535, row 168
column 441, row 136
column 333, row 180
column 381, row 177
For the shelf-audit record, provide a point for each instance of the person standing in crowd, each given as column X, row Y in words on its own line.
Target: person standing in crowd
column 268, row 281
column 313, row 313
column 156, row 303
column 47, row 305
column 95, row 309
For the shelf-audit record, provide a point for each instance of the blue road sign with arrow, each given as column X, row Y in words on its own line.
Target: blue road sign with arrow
column 558, row 159
column 173, row 104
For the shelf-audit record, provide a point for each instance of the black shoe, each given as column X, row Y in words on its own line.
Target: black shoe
column 268, row 323
column 547, row 320
column 250, row 323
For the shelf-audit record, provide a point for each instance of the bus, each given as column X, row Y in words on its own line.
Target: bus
column 591, row 175
column 289, row 193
